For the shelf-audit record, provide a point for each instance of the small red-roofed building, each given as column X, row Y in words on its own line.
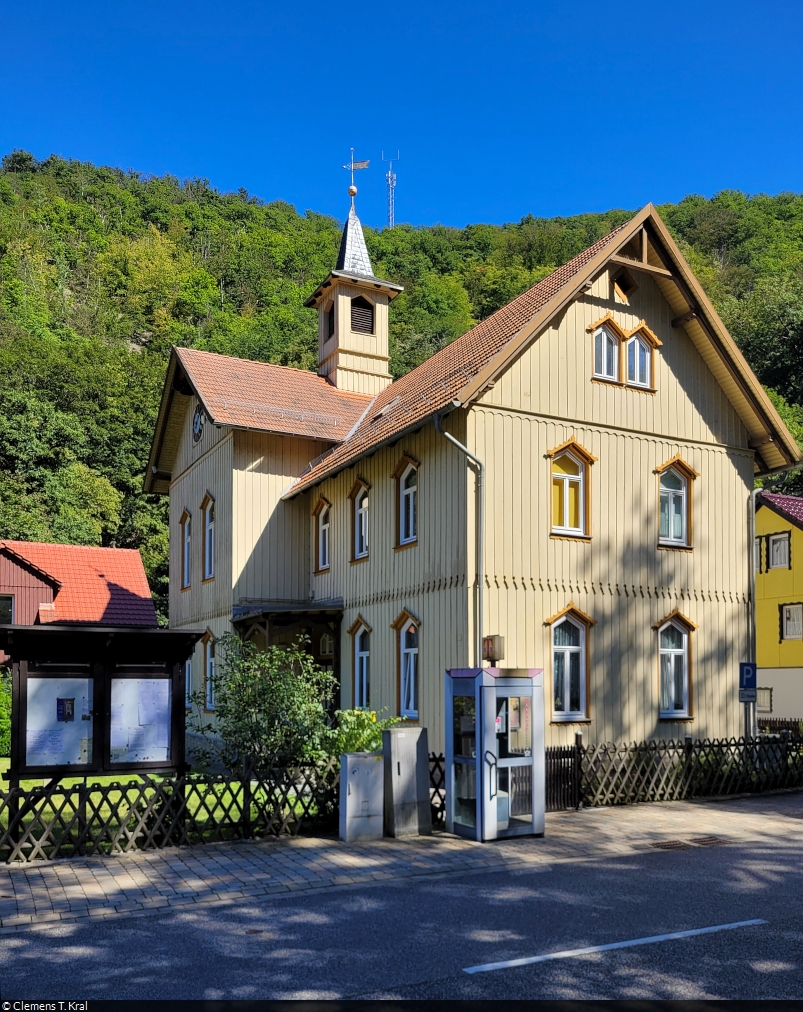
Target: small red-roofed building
column 779, row 607
column 73, row 585
column 619, row 430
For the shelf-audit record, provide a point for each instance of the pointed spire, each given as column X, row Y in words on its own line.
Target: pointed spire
column 353, row 256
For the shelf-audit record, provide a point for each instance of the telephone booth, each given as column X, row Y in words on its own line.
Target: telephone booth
column 494, row 752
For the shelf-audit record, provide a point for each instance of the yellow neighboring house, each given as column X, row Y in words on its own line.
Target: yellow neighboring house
column 779, row 605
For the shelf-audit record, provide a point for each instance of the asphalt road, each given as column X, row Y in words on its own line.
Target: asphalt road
column 411, row 939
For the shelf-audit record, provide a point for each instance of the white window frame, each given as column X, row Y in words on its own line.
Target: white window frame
column 361, row 524
column 410, row 673
column 324, row 527
column 636, row 341
column 667, row 651
column 408, row 497
column 362, row 669
column 757, row 554
column 604, row 340
column 209, row 538
column 772, row 541
column 671, row 494
column 186, row 550
column 792, row 621
column 582, row 713
column 188, row 683
column 566, row 479
column 209, row 675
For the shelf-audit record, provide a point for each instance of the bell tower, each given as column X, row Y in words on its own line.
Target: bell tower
column 352, row 309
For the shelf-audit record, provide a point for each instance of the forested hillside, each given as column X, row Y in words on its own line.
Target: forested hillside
column 102, row 270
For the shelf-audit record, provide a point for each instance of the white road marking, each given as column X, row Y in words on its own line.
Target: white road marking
column 569, row 953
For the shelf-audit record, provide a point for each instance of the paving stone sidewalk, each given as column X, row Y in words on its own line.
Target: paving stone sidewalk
column 136, row 883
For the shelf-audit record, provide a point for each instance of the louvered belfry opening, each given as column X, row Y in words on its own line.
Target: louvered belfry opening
column 330, row 323
column 362, row 316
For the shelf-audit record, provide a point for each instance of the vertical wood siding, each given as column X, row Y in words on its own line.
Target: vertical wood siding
column 204, row 600
column 620, row 578
column 27, row 588
column 428, row 579
column 270, row 540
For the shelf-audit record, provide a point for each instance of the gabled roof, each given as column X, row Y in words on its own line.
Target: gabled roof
column 101, row 586
column 790, row 507
column 246, row 395
column 460, row 373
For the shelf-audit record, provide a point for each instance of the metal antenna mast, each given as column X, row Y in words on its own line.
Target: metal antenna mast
column 390, row 175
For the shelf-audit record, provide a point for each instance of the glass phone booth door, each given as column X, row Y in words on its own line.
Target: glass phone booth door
column 494, row 752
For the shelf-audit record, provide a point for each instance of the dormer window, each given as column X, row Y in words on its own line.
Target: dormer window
column 362, row 315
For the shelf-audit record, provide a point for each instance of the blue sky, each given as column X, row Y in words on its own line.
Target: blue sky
column 499, row 109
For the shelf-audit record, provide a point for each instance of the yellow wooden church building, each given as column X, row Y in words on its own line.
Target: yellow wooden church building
column 571, row 474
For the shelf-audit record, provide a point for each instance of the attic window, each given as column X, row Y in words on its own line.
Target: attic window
column 330, row 322
column 624, row 285
column 362, row 316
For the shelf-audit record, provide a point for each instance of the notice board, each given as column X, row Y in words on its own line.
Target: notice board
column 140, row 720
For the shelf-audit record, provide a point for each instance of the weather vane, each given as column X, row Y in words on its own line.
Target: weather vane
column 353, row 167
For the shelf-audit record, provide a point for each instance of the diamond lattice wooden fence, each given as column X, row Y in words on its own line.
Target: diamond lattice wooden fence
column 673, row 770
column 65, row 821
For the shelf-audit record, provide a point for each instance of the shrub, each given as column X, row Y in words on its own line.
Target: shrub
column 359, row 731
column 270, row 705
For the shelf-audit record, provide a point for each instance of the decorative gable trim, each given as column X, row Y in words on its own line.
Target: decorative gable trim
column 404, row 463
column 358, row 623
column 573, row 447
column 403, row 618
column 676, row 616
column 679, row 464
column 610, row 323
column 644, row 331
column 572, row 611
column 357, row 487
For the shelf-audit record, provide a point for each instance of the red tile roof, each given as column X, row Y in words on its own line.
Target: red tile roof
column 273, row 398
column 788, row 506
column 102, row 586
column 434, row 384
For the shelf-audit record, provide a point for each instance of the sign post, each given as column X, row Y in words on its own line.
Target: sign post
column 747, row 694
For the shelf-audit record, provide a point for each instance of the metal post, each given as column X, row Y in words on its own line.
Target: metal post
column 578, row 770
column 480, row 533
column 750, row 729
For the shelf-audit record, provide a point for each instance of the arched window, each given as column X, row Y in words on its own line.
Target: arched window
column 673, row 648
column 568, row 494
column 408, row 506
column 674, row 507
column 361, row 524
column 323, row 538
column 639, row 362
column 409, row 670
column 606, row 354
column 362, row 669
column 362, row 315
column 208, row 510
column 568, row 670
column 186, row 549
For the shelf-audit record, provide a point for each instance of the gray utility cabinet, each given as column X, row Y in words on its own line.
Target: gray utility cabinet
column 407, row 807
column 361, row 790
